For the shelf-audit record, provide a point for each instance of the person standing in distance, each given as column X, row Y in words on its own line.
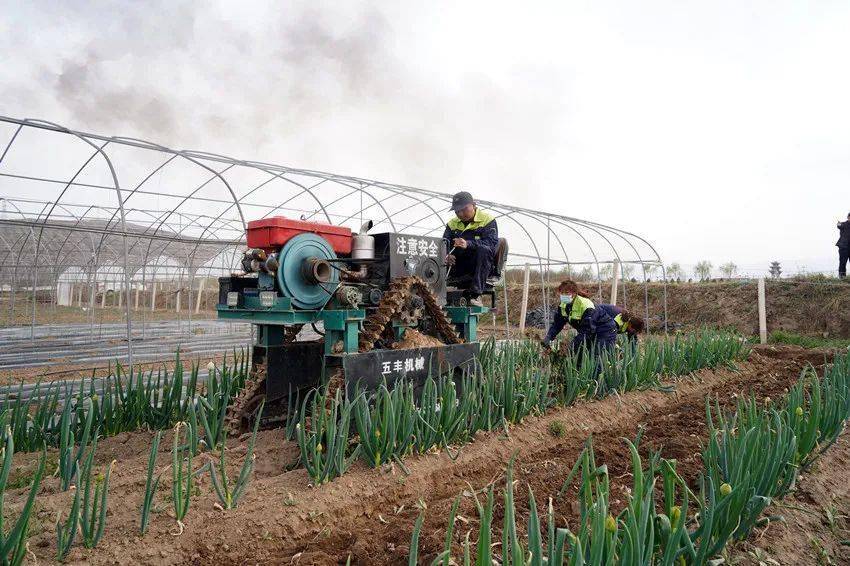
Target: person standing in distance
column 843, row 244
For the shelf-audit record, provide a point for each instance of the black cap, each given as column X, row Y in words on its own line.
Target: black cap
column 461, row 199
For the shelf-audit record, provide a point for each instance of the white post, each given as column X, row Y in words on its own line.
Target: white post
column 524, row 308
column 177, row 308
column 762, row 313
column 136, row 306
column 153, row 296
column 200, row 294
column 103, row 297
column 120, row 294
column 615, row 280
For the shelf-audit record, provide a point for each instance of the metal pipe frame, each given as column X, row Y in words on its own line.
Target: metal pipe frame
column 180, row 215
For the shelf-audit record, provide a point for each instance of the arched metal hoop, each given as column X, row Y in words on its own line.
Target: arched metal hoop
column 165, row 220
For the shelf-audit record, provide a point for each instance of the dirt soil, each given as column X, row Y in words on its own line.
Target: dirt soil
column 415, row 339
column 53, row 314
column 59, row 371
column 369, row 513
column 807, row 306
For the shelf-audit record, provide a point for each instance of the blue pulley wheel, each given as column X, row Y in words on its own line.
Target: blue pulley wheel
column 304, row 274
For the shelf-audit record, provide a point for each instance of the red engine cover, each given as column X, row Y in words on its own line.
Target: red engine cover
column 272, row 233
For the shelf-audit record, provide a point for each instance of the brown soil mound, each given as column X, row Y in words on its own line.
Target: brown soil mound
column 415, row 339
column 810, row 307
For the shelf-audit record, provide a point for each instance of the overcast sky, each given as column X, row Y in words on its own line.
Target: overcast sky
column 718, row 130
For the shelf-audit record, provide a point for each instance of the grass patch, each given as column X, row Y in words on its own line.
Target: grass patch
column 22, row 477
column 782, row 337
column 557, row 429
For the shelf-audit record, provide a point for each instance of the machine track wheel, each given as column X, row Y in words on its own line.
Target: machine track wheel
column 240, row 414
column 243, row 405
column 393, row 303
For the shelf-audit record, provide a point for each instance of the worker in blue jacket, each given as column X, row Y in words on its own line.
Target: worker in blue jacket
column 596, row 329
column 626, row 322
column 472, row 237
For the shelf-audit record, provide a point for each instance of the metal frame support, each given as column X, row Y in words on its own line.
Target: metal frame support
column 342, row 326
column 465, row 320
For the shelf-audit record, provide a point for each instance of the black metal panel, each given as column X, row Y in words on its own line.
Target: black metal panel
column 369, row 369
column 297, row 365
column 402, row 255
column 240, row 284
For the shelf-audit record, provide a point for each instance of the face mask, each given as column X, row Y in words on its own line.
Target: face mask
column 566, row 298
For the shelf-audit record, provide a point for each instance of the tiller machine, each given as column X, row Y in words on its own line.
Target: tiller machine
column 380, row 299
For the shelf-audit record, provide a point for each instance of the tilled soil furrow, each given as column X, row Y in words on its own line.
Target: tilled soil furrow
column 370, row 513
column 379, row 532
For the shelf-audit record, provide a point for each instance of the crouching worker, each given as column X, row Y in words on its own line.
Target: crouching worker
column 596, row 329
column 626, row 322
column 472, row 237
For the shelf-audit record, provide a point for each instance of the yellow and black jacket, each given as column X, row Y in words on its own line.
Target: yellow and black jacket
column 482, row 231
column 591, row 323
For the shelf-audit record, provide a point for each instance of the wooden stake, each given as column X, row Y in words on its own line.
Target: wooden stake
column 524, row 307
column 762, row 312
column 615, row 280
column 200, row 294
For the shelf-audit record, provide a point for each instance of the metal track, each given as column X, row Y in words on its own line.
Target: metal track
column 245, row 402
column 393, row 303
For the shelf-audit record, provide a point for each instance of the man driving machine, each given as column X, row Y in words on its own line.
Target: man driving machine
column 472, row 237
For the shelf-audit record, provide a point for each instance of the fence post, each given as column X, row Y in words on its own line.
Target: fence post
column 615, row 280
column 507, row 320
column 524, row 307
column 762, row 312
column 136, row 305
column 200, row 294
column 153, row 296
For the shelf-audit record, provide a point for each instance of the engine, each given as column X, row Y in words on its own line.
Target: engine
column 315, row 265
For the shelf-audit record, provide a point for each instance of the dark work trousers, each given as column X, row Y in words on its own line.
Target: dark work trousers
column 476, row 263
column 843, row 255
column 593, row 348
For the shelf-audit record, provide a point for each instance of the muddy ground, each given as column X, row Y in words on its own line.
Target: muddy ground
column 369, row 513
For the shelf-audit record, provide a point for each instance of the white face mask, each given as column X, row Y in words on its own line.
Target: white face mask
column 566, row 298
